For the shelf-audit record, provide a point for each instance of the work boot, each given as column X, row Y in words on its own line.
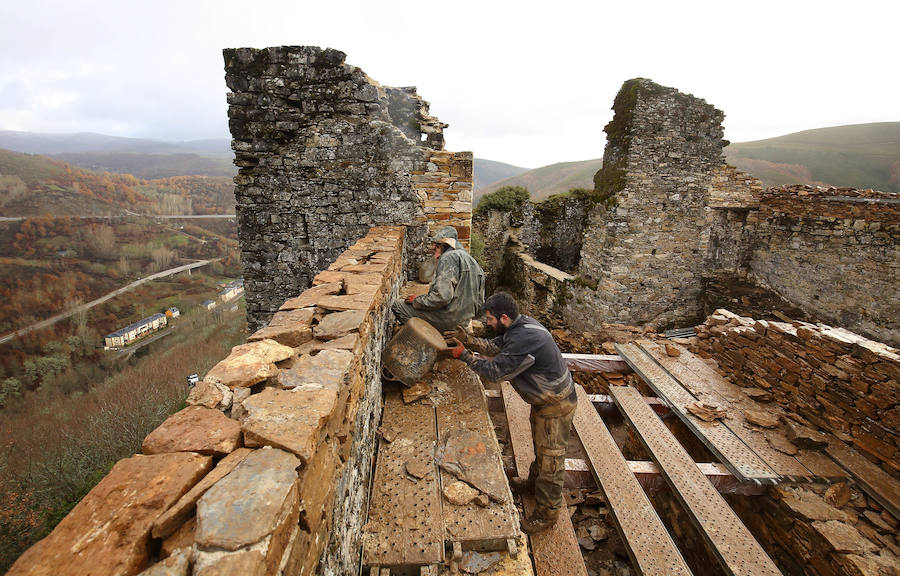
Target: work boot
column 538, row 522
column 519, row 484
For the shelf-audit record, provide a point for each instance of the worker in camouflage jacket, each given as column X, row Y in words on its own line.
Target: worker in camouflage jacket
column 455, row 294
column 525, row 354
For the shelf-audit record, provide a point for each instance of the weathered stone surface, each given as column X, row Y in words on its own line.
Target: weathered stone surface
column 310, row 296
column 359, row 301
column 459, row 493
column 780, row 443
column 210, row 395
column 758, row 394
column 415, row 392
column 108, row 532
column 178, row 564
column 182, row 538
column 290, row 420
column 764, row 419
column 806, row 437
column 843, row 537
column 838, row 494
column 809, row 505
column 348, row 342
column 238, row 412
column 195, row 429
column 317, row 488
column 243, row 562
column 289, row 327
column 418, row 468
column 339, row 324
column 883, row 564
column 183, row 510
column 706, row 411
column 249, row 364
column 327, row 369
column 250, row 503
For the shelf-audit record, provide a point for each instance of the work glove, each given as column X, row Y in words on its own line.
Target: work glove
column 455, row 348
column 459, row 334
column 410, row 298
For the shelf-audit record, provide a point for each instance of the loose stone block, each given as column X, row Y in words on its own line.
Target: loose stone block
column 843, row 537
column 289, row 327
column 290, row 420
column 177, row 564
column 339, row 324
column 310, row 296
column 327, row 369
column 195, row 429
column 250, row 503
column 210, row 395
column 249, row 364
column 97, row 537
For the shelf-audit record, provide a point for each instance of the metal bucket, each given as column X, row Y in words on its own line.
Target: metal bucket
column 412, row 352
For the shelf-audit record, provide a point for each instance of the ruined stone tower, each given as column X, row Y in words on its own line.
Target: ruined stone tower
column 325, row 153
column 644, row 247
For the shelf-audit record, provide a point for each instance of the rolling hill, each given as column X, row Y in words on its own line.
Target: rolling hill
column 857, row 155
column 489, row 171
column 548, row 180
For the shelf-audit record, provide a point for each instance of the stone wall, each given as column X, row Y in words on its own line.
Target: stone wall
column 834, row 253
column 267, row 470
column 832, row 379
column 324, row 153
column 646, row 242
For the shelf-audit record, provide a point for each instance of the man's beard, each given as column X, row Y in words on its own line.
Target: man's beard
column 499, row 329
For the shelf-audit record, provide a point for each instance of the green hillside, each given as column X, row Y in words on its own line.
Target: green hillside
column 548, row 180
column 151, row 165
column 858, row 155
column 489, row 171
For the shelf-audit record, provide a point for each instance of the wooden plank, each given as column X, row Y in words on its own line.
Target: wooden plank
column 706, row 384
column 646, row 539
column 555, row 551
column 822, row 466
column 875, row 481
column 466, row 410
column 404, row 526
column 731, row 450
column 736, row 549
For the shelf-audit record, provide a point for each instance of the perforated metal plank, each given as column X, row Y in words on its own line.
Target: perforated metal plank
column 404, row 526
column 555, row 551
column 731, row 450
column 646, row 539
column 466, row 409
column 707, row 384
column 739, row 553
column 875, row 481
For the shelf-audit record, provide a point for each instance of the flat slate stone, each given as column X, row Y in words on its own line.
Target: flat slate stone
column 195, row 429
column 290, row 327
column 177, row 564
column 358, row 301
column 844, row 538
column 246, row 506
column 809, row 505
column 311, row 295
column 327, row 369
column 764, row 419
column 339, row 324
column 243, row 562
column 210, row 395
column 249, row 364
column 348, row 342
column 108, row 532
column 181, row 511
column 288, row 419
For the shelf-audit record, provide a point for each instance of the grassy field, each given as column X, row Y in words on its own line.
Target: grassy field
column 57, row 446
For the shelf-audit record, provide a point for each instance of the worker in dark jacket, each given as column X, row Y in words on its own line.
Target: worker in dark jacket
column 455, row 294
column 525, row 354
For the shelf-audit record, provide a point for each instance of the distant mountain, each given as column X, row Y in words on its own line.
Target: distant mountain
column 548, row 180
column 33, row 185
column 489, row 171
column 141, row 157
column 857, row 155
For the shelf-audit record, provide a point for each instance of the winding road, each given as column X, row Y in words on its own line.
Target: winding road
column 54, row 319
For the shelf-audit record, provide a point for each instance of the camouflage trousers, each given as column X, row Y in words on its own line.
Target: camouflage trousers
column 550, row 428
column 403, row 311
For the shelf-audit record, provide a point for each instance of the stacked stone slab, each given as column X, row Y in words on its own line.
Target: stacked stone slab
column 266, row 471
column 830, row 378
column 821, row 530
column 324, row 153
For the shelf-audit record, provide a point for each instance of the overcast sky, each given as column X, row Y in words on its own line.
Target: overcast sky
column 520, row 82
